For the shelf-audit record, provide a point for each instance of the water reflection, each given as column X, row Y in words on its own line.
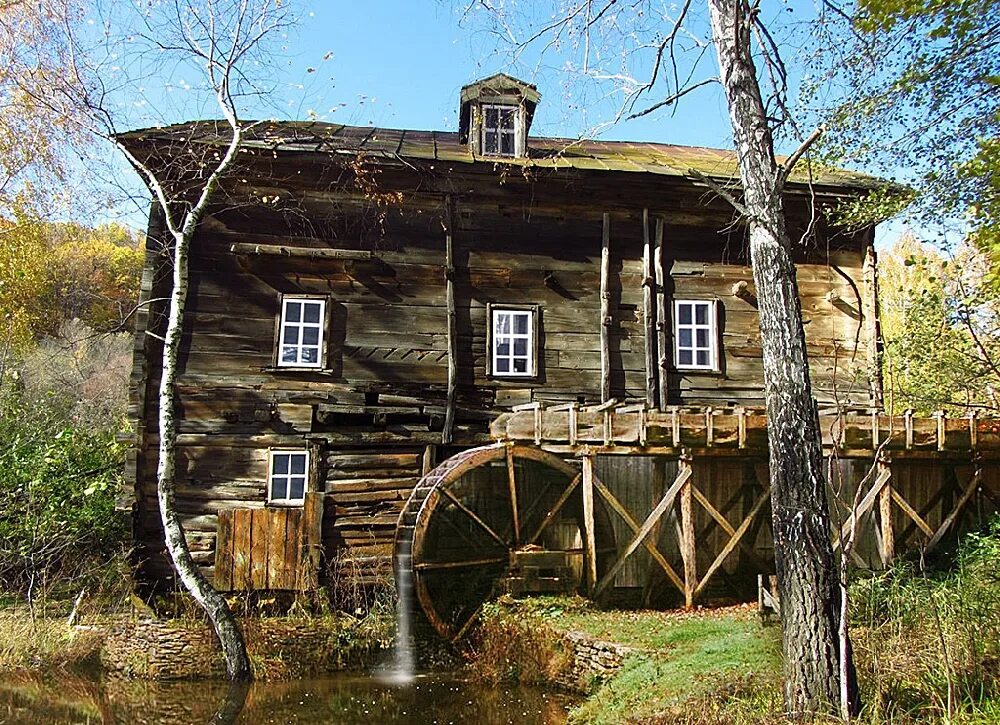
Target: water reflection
column 342, row 698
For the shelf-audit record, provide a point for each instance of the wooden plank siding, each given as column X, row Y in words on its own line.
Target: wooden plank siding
column 382, row 397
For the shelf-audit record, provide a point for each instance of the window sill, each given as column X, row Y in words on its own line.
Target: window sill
column 714, row 372
column 295, row 369
column 285, row 504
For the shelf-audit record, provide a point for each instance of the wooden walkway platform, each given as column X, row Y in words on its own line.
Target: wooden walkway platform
column 896, row 483
column 623, row 429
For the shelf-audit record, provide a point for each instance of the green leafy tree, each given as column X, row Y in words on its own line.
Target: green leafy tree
column 919, row 101
column 941, row 326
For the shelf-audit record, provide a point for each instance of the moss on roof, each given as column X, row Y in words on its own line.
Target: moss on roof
column 444, row 146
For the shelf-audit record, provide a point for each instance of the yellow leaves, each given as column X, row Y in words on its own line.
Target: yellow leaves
column 50, row 273
column 23, row 276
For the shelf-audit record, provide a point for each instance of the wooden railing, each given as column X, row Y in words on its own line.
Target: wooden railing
column 614, row 428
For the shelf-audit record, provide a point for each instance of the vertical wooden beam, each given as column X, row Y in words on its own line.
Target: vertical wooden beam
column 662, row 318
column 649, row 313
column 447, row 433
column 888, row 534
column 590, row 538
column 512, row 487
column 872, row 326
column 606, row 310
column 427, row 460
column 688, row 545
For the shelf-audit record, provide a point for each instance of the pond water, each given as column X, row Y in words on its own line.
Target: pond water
column 342, row 698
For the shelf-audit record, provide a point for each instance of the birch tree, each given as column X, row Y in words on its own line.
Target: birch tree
column 224, row 43
column 666, row 42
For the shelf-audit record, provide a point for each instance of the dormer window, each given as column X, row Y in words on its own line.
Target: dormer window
column 495, row 116
column 499, row 130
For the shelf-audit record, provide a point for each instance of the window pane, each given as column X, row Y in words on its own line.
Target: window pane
column 297, row 487
column 521, row 324
column 507, row 118
column 684, row 314
column 492, row 114
column 701, row 314
column 280, row 463
column 683, row 357
column 310, row 355
column 298, row 463
column 289, row 354
column 520, row 365
column 703, row 358
column 291, row 335
column 507, row 144
column 521, row 346
column 310, row 335
column 277, row 488
column 312, row 312
column 702, row 337
column 503, row 347
column 490, row 142
column 684, row 337
column 503, row 365
column 293, row 311
column 502, row 323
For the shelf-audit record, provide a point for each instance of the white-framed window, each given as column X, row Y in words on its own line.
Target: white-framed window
column 512, row 342
column 300, row 341
column 499, row 130
column 287, row 477
column 696, row 339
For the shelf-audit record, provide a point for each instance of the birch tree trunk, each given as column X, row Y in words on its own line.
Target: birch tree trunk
column 807, row 577
column 226, row 629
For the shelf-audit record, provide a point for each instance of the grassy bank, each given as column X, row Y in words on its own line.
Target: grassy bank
column 926, row 642
column 718, row 664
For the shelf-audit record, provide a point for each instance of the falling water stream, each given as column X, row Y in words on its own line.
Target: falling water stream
column 401, row 668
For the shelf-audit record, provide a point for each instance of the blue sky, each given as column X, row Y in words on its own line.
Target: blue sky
column 401, row 64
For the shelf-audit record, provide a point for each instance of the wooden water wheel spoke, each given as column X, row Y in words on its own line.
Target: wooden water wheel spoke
column 472, row 515
column 426, row 565
column 554, row 511
column 464, row 525
column 512, row 484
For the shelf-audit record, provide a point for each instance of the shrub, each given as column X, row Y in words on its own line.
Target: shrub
column 928, row 643
column 58, row 485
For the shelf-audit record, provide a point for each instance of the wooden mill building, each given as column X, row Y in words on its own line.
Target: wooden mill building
column 368, row 304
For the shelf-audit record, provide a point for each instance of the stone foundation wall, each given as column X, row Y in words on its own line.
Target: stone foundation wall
column 278, row 648
column 593, row 661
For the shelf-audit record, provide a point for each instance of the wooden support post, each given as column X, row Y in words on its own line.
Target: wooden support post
column 648, row 313
column 872, row 327
column 971, row 487
column 447, row 433
column 688, row 544
column 639, row 539
column 662, row 319
column 606, row 310
column 590, row 538
column 884, row 473
column 427, row 463
column 888, row 534
column 939, row 417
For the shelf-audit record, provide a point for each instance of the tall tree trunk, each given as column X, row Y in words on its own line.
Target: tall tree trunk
column 230, row 637
column 807, row 578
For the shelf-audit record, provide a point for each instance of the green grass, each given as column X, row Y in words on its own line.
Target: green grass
column 720, row 663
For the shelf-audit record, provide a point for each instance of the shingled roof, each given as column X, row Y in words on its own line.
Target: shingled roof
column 445, row 147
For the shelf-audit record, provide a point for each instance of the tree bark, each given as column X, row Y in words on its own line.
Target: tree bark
column 807, row 578
column 230, row 637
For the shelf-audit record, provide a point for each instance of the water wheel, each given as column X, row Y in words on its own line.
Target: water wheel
column 469, row 519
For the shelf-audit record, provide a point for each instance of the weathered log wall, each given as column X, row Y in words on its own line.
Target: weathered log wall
column 382, row 397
